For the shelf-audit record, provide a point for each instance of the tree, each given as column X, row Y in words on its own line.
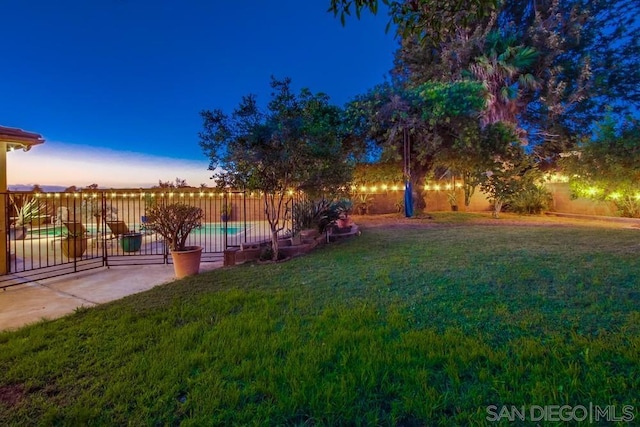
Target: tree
column 512, row 170
column 502, row 69
column 470, row 155
column 607, row 166
column 295, row 143
column 178, row 183
column 587, row 59
column 414, row 124
column 431, row 20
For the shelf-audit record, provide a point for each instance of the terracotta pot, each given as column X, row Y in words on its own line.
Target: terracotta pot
column 17, row 233
column 74, row 248
column 187, row 262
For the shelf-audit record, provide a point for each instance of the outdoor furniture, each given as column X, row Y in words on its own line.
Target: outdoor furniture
column 130, row 240
column 118, row 228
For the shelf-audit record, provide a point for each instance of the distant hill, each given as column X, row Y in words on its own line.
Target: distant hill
column 28, row 187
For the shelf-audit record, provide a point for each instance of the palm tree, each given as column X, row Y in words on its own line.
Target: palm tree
column 503, row 72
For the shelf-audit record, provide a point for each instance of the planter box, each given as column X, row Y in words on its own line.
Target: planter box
column 131, row 242
column 231, row 257
column 291, row 251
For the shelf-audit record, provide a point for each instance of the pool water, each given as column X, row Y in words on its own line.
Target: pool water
column 43, row 233
column 218, row 228
column 206, row 229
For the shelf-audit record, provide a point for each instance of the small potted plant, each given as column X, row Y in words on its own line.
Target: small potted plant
column 74, row 243
column 342, row 208
column 364, row 203
column 453, row 200
column 174, row 222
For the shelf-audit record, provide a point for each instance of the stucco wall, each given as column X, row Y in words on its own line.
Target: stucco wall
column 386, row 201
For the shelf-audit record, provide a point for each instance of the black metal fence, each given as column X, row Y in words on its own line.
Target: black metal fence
column 50, row 234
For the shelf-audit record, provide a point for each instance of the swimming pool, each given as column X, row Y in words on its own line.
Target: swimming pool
column 217, row 228
column 43, row 233
column 210, row 228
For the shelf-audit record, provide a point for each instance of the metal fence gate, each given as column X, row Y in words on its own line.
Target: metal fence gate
column 51, row 234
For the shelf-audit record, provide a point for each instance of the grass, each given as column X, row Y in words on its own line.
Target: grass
column 404, row 326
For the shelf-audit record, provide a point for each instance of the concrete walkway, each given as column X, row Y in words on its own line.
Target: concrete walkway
column 58, row 296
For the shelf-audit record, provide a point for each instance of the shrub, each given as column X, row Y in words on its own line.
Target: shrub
column 533, row 199
column 309, row 214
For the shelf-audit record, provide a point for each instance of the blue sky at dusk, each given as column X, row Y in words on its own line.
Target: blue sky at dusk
column 129, row 77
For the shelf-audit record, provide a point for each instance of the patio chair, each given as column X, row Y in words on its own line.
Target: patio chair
column 118, row 228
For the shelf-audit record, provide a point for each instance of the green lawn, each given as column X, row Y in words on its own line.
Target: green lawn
column 406, row 326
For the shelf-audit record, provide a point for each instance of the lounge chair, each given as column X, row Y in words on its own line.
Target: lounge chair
column 75, row 228
column 118, row 228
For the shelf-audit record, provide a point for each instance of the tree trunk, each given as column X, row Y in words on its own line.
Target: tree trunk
column 417, row 182
column 274, row 244
column 497, row 207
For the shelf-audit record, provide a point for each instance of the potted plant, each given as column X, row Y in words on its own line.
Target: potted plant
column 74, row 243
column 453, row 200
column 131, row 241
column 174, row 222
column 92, row 208
column 26, row 211
column 399, row 205
column 341, row 209
column 364, row 202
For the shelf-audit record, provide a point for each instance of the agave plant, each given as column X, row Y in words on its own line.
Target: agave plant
column 26, row 211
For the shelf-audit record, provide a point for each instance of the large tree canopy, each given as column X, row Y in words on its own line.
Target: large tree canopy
column 296, row 143
column 607, row 167
column 413, row 124
column 431, row 20
column 587, row 62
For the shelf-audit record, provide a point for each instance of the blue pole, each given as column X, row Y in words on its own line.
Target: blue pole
column 408, row 200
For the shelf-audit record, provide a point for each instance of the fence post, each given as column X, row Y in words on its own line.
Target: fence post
column 4, row 218
column 4, row 230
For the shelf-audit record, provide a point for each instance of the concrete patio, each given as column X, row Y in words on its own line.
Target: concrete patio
column 59, row 296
